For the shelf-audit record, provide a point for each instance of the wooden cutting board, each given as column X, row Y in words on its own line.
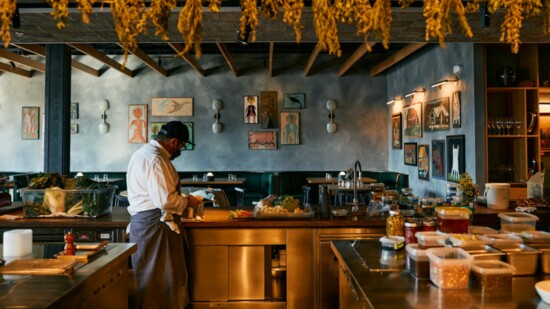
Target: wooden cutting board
column 84, row 252
column 38, row 267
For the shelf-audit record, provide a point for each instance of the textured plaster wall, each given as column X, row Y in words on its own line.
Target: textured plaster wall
column 361, row 114
column 423, row 69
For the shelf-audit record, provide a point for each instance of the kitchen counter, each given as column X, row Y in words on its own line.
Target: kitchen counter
column 101, row 283
column 378, row 285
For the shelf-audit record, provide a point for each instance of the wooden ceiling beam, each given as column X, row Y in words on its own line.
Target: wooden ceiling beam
column 149, row 61
column 357, row 54
column 397, row 57
column 187, row 57
column 94, row 53
column 39, row 66
column 311, row 59
column 271, row 51
column 225, row 53
column 15, row 70
column 41, row 51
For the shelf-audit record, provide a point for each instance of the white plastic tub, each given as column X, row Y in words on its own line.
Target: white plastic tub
column 517, row 222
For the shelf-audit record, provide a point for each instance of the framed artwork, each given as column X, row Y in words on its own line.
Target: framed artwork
column 544, row 127
column 250, row 108
column 294, row 100
column 409, row 149
column 438, row 159
column 262, row 140
column 455, row 157
column 413, row 120
column 190, row 128
column 74, row 128
column 155, row 128
column 269, row 110
column 456, row 109
column 424, row 162
column 137, row 123
column 172, row 107
column 290, row 128
column 74, row 110
column 396, row 132
column 437, row 116
column 29, row 122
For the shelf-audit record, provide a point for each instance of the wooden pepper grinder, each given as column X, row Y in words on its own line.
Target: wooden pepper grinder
column 69, row 243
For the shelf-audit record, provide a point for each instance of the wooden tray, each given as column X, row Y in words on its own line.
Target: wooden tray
column 38, row 267
column 84, row 252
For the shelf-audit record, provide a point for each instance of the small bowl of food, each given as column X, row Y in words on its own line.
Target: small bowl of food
column 339, row 212
column 543, row 288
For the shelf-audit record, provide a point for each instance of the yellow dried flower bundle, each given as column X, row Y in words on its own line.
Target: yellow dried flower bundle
column 85, row 7
column 60, row 11
column 293, row 15
column 249, row 17
column 129, row 23
column 214, row 5
column 7, row 9
column 438, row 23
column 190, row 26
column 159, row 13
column 325, row 27
column 270, row 8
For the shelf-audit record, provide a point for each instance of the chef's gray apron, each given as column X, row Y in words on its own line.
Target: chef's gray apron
column 159, row 262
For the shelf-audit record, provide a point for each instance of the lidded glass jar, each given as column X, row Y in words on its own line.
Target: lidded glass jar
column 453, row 219
column 411, row 227
column 394, row 224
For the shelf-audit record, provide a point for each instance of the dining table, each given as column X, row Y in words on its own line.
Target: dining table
column 216, row 181
column 333, row 180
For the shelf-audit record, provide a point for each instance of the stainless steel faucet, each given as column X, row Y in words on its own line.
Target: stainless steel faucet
column 355, row 207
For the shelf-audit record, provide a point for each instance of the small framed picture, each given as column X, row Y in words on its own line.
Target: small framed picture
column 294, row 100
column 74, row 128
column 137, row 123
column 190, row 128
column 424, row 162
column 409, row 150
column 172, row 107
column 456, row 109
column 437, row 116
column 456, row 154
column 396, row 132
column 30, row 122
column 74, row 110
column 438, row 159
column 250, row 108
column 269, row 117
column 262, row 140
column 155, row 128
column 413, row 120
column 290, row 128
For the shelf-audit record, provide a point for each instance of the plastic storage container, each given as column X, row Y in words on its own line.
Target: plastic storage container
column 453, row 219
column 431, row 239
column 525, row 259
column 392, row 242
column 449, row 267
column 536, row 237
column 483, row 253
column 419, row 263
column 501, row 239
column 67, row 203
column 481, row 230
column 544, row 259
column 493, row 275
column 517, row 222
column 464, row 240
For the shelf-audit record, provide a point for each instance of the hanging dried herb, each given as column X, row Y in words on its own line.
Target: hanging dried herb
column 326, row 29
column 293, row 15
column 214, row 5
column 159, row 13
column 7, row 9
column 249, row 17
column 190, row 26
column 85, row 7
column 270, row 8
column 60, row 11
column 129, row 23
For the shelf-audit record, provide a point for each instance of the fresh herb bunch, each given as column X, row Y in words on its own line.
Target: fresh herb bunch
column 468, row 188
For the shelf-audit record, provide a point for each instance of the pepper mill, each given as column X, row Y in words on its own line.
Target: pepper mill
column 69, row 243
column 324, row 201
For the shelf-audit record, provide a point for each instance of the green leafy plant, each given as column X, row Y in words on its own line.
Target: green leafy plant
column 468, row 188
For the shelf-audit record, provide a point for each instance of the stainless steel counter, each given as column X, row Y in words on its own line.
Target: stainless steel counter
column 377, row 285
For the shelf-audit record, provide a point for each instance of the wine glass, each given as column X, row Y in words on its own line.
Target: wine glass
column 518, row 125
column 509, row 123
column 499, row 125
column 490, row 126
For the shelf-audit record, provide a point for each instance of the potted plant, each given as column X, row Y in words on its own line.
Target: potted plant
column 467, row 189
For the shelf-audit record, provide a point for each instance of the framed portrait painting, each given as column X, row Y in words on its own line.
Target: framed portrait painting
column 437, row 116
column 456, row 109
column 294, row 100
column 413, row 120
column 250, row 109
column 396, row 132
column 262, row 140
column 137, row 123
column 290, row 128
column 438, row 159
column 74, row 128
column 456, row 155
column 74, row 110
column 424, row 162
column 29, row 122
column 172, row 107
column 269, row 116
column 409, row 150
column 155, row 129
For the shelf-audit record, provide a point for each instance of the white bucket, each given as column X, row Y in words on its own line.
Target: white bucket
column 497, row 195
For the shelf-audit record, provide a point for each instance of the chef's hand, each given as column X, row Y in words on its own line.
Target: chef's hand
column 194, row 201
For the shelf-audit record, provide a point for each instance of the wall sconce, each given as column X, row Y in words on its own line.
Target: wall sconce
column 415, row 92
column 331, row 126
column 457, row 69
column 104, row 126
column 217, row 127
column 395, row 100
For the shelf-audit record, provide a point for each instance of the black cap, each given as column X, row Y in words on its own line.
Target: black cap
column 176, row 129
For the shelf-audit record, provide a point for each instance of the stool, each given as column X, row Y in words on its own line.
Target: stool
column 121, row 200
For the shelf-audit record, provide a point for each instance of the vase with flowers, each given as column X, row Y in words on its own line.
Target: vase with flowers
column 467, row 189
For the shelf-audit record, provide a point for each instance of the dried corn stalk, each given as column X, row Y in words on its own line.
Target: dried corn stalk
column 249, row 17
column 190, row 26
column 85, row 6
column 271, row 7
column 326, row 29
column 293, row 15
column 159, row 13
column 7, row 9
column 128, row 16
column 60, row 11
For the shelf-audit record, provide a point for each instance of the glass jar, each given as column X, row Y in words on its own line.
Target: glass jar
column 411, row 227
column 428, row 225
column 453, row 219
column 394, row 224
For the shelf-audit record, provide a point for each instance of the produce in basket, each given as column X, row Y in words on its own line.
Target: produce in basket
column 283, row 204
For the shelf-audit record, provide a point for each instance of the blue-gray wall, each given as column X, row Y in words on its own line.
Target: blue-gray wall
column 424, row 68
column 361, row 114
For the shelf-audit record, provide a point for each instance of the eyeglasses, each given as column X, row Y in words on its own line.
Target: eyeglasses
column 181, row 145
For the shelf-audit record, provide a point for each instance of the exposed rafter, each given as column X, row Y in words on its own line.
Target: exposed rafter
column 271, row 50
column 41, row 51
column 187, row 57
column 94, row 53
column 357, row 54
column 225, row 53
column 39, row 66
column 149, row 61
column 15, row 70
column 311, row 59
column 396, row 58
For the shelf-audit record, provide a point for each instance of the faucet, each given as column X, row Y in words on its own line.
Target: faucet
column 355, row 207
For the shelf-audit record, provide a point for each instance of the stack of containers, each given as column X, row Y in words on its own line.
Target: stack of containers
column 449, row 267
